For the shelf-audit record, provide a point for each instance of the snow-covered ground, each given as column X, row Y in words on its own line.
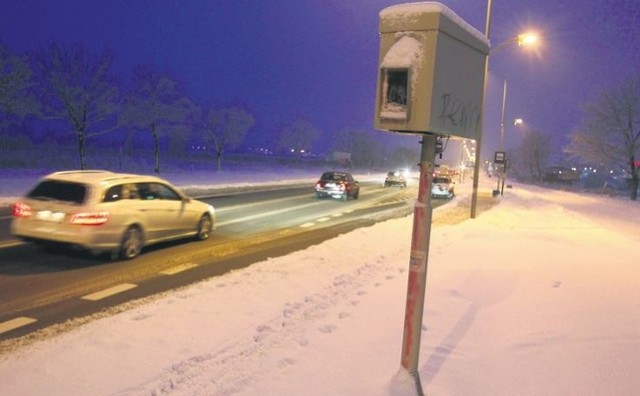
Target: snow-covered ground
column 536, row 296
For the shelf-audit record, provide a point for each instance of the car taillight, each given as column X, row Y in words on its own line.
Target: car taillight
column 21, row 209
column 318, row 185
column 90, row 218
column 343, row 186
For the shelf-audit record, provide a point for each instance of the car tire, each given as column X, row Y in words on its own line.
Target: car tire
column 319, row 195
column 357, row 194
column 131, row 245
column 205, row 225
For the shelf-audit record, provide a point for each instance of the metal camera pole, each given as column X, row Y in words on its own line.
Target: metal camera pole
column 418, row 261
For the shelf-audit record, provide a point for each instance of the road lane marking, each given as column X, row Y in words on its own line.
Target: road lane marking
column 178, row 268
column 15, row 323
column 264, row 214
column 109, row 292
column 307, row 225
column 323, row 219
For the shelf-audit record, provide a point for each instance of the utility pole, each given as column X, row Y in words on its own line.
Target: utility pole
column 418, row 261
column 476, row 168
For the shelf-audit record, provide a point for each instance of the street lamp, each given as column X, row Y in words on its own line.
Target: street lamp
column 525, row 39
column 522, row 40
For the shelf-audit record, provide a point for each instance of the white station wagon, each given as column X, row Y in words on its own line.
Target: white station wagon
column 102, row 211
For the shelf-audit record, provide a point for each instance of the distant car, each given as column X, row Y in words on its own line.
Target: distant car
column 337, row 185
column 395, row 178
column 442, row 187
column 102, row 211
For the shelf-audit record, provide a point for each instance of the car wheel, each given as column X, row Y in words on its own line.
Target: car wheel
column 131, row 245
column 357, row 194
column 345, row 196
column 204, row 228
column 319, row 196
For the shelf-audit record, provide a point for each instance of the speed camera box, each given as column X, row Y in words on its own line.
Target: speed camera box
column 430, row 72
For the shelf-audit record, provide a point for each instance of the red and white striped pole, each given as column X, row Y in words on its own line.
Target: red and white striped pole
column 418, row 261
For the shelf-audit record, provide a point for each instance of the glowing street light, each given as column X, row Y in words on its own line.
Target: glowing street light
column 527, row 39
column 522, row 40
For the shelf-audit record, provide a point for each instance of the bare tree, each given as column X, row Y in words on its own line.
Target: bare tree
column 364, row 146
column 298, row 137
column 78, row 87
column 226, row 128
column 15, row 83
column 157, row 103
column 610, row 131
column 533, row 153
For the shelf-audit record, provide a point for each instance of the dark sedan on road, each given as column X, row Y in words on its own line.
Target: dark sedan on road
column 337, row 185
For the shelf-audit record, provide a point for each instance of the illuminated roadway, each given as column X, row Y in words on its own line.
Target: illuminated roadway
column 39, row 288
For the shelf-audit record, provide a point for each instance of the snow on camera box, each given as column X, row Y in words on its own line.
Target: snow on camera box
column 430, row 72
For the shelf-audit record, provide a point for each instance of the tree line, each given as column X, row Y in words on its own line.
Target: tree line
column 608, row 136
column 69, row 84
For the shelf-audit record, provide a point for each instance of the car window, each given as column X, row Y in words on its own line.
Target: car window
column 59, row 191
column 332, row 176
column 147, row 191
column 165, row 192
column 150, row 191
column 121, row 191
column 114, row 193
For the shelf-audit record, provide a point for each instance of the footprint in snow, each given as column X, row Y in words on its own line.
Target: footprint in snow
column 327, row 328
column 343, row 315
column 141, row 317
column 285, row 362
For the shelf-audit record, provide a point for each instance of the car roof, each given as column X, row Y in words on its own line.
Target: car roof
column 99, row 176
column 339, row 173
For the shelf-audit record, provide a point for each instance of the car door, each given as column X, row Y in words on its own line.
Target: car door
column 179, row 218
column 162, row 210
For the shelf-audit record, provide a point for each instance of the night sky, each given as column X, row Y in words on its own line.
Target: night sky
column 318, row 58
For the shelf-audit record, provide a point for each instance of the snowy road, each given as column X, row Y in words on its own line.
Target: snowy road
column 56, row 285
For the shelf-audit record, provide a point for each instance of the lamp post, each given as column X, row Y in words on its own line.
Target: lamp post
column 476, row 167
column 502, row 172
column 525, row 39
